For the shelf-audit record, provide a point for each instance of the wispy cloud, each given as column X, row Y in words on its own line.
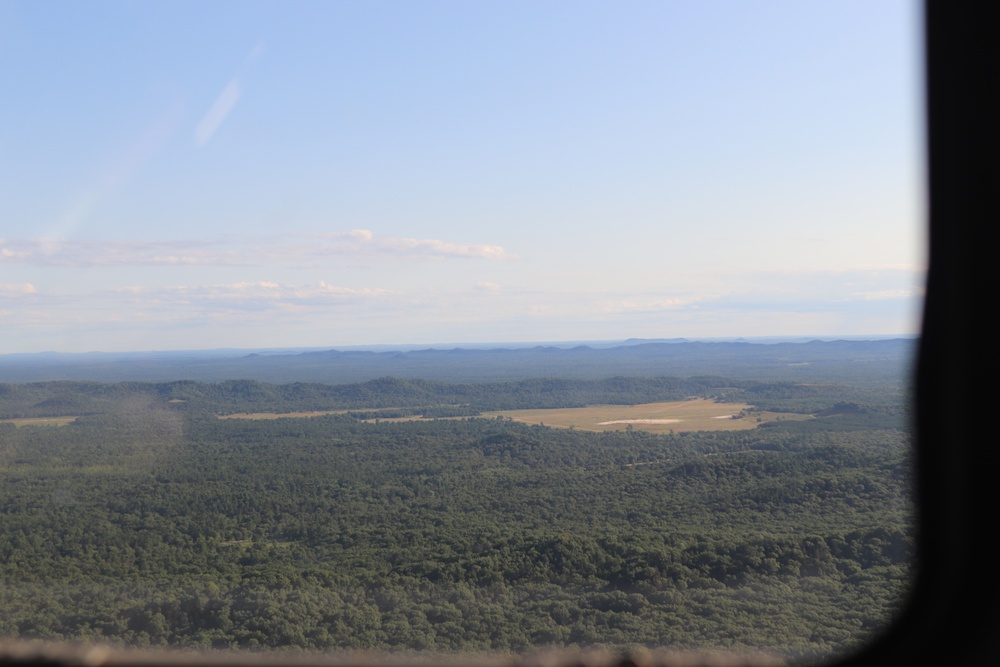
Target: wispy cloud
column 217, row 113
column 882, row 295
column 253, row 296
column 225, row 102
column 811, row 289
column 646, row 304
column 291, row 249
column 362, row 241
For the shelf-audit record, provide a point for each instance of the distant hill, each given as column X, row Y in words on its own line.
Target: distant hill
column 813, row 361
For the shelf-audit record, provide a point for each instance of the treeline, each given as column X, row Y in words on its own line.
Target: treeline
column 386, row 397
column 61, row 398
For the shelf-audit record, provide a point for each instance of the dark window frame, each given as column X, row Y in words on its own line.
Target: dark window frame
column 952, row 616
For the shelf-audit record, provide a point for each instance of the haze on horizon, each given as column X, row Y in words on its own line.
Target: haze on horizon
column 247, row 175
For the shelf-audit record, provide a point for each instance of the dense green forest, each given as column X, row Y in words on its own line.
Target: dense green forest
column 150, row 521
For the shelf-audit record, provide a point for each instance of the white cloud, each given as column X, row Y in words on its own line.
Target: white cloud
column 12, row 254
column 259, row 293
column 290, row 249
column 17, row 289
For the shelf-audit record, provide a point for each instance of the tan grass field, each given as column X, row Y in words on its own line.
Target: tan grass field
column 41, row 421
column 697, row 414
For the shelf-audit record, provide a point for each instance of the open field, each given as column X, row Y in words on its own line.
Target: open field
column 41, row 421
column 282, row 415
column 698, row 414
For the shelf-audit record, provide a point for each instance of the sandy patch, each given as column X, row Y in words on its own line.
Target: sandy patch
column 639, row 421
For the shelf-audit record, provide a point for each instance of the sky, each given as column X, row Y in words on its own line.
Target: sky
column 199, row 175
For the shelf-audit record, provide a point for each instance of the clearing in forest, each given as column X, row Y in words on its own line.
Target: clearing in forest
column 41, row 421
column 282, row 415
column 696, row 414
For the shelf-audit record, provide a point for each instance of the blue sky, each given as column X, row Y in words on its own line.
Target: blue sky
column 258, row 174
